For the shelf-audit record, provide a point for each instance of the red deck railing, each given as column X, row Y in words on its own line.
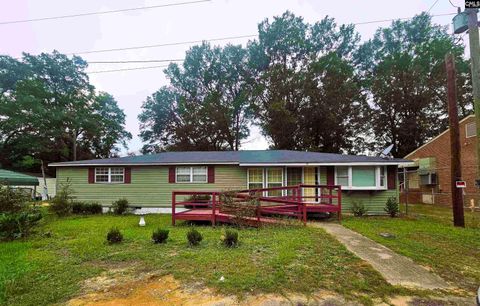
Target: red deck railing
column 294, row 201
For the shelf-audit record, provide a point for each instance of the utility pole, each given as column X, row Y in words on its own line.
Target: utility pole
column 456, row 170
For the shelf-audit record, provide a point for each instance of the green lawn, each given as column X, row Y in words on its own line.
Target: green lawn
column 428, row 237
column 45, row 270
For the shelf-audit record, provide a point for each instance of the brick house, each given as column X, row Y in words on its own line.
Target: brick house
column 429, row 176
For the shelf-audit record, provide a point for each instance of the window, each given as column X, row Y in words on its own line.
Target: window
column 294, row 178
column 342, row 176
column 361, row 177
column 470, row 130
column 191, row 174
column 382, row 177
column 109, row 175
column 255, row 178
column 274, row 179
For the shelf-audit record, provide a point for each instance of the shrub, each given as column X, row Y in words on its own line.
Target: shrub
column 358, row 209
column 82, row 208
column 391, row 207
column 230, row 239
column 198, row 198
column 120, row 206
column 12, row 200
column 114, row 236
column 18, row 225
column 160, row 235
column 16, row 217
column 194, row 237
column 241, row 210
column 62, row 203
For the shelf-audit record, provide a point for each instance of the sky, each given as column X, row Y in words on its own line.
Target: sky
column 170, row 24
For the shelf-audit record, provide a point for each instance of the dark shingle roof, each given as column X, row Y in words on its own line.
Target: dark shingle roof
column 235, row 157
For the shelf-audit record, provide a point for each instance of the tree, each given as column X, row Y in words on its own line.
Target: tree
column 404, row 74
column 205, row 107
column 308, row 96
column 49, row 111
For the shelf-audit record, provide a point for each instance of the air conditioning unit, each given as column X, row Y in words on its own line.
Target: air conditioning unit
column 428, row 178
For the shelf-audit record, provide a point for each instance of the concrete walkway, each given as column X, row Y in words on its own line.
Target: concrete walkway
column 395, row 268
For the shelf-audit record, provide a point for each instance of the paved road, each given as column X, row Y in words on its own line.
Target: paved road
column 395, row 268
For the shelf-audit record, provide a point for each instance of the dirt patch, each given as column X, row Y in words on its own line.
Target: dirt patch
column 127, row 285
column 120, row 287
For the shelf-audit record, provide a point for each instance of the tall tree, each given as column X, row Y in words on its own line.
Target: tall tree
column 308, row 95
column 205, row 107
column 49, row 111
column 404, row 73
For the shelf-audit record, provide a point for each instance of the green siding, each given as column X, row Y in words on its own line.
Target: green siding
column 374, row 201
column 149, row 186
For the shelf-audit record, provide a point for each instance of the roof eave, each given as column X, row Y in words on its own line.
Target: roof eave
column 137, row 164
column 386, row 163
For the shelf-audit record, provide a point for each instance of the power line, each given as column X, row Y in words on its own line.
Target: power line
column 219, row 38
column 102, row 12
column 403, row 18
column 192, row 42
column 162, row 45
column 451, row 3
column 127, row 69
column 433, row 5
column 135, row 61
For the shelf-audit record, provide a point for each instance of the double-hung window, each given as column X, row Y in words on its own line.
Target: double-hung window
column 109, row 175
column 255, row 178
column 361, row 177
column 191, row 174
column 274, row 179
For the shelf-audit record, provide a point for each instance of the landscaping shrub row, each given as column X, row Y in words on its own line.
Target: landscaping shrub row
column 85, row 208
column 63, row 204
column 392, row 208
column 194, row 237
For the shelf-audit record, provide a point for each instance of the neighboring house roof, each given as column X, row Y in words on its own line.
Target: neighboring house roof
column 241, row 158
column 436, row 137
column 18, row 179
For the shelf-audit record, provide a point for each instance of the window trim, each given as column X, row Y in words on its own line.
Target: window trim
column 109, row 175
column 377, row 179
column 191, row 175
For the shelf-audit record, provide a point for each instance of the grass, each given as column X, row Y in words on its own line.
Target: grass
column 428, row 237
column 47, row 270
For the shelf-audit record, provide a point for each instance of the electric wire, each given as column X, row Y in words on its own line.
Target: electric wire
column 102, row 12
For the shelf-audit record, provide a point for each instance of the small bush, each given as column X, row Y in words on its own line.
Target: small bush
column 114, row 236
column 12, row 200
column 120, row 206
column 82, row 208
column 230, row 239
column 391, row 207
column 18, row 225
column 198, row 198
column 358, row 209
column 194, row 237
column 62, row 203
column 160, row 235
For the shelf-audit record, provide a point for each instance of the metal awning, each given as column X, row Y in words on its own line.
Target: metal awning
column 17, row 179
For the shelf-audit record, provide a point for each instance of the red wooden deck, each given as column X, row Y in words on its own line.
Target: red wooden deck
column 293, row 202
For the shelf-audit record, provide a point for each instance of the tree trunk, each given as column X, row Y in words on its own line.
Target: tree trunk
column 74, row 145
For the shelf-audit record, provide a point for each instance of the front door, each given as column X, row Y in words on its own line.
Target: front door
column 310, row 177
